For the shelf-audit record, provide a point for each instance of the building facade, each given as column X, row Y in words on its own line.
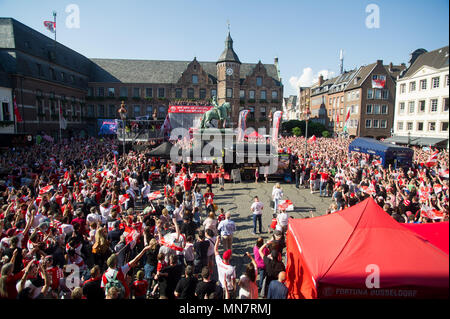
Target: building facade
column 291, row 108
column 318, row 100
column 304, row 95
column 366, row 94
column 422, row 98
column 335, row 105
column 6, row 114
column 45, row 75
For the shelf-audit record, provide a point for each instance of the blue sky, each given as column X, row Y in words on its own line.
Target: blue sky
column 305, row 35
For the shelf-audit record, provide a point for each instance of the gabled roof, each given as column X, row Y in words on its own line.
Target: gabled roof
column 437, row 59
column 322, row 88
column 342, row 80
column 159, row 71
column 361, row 75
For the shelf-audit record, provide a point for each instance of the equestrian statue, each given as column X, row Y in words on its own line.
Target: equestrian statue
column 220, row 113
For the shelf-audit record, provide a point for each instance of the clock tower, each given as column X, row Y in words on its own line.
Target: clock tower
column 228, row 78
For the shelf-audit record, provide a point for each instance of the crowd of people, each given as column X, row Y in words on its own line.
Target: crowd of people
column 415, row 194
column 80, row 221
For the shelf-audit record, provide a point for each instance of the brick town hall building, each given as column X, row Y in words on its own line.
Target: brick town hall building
column 43, row 74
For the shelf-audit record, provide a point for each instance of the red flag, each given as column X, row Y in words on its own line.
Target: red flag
column 154, row 195
column 50, row 25
column 312, row 139
column 286, row 205
column 16, row 111
column 115, row 160
column 123, row 198
column 348, row 116
column 430, row 212
column 45, row 189
column 368, row 189
column 376, row 162
column 337, row 118
column 432, row 160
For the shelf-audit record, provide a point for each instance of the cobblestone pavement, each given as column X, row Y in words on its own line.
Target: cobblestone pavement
column 238, row 198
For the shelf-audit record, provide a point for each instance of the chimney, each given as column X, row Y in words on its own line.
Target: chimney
column 320, row 80
column 277, row 67
column 391, row 66
column 380, row 62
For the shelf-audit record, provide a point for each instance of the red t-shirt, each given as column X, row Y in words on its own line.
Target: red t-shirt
column 140, row 287
column 209, row 179
column 11, row 282
column 187, row 184
column 313, row 176
column 206, row 195
column 160, row 266
column 323, row 177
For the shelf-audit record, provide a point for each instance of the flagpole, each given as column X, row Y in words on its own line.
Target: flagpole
column 60, row 114
column 15, row 117
column 54, row 20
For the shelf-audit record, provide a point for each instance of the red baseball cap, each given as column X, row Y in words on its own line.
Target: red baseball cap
column 227, row 254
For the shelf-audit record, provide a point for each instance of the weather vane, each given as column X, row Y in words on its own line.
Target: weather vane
column 228, row 25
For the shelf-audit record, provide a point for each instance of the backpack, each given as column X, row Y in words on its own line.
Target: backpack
column 114, row 282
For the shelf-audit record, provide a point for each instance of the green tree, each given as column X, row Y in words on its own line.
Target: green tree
column 326, row 134
column 297, row 131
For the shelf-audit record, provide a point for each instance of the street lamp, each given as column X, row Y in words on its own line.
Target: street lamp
column 123, row 115
column 306, row 114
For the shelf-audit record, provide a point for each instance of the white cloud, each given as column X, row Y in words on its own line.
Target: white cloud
column 308, row 78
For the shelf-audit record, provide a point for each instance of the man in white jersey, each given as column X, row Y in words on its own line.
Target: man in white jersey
column 225, row 271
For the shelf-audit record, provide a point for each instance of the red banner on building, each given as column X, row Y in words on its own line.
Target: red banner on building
column 189, row 108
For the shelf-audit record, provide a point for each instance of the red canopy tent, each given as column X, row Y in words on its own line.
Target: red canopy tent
column 339, row 255
column 254, row 136
column 436, row 233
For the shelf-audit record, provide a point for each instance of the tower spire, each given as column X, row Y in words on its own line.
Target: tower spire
column 341, row 58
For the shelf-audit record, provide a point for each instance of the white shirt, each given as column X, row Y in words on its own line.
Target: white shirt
column 257, row 208
column 210, row 223
column 226, row 274
column 177, row 213
column 145, row 190
column 105, row 211
column 93, row 217
column 282, row 220
column 277, row 193
column 189, row 251
column 36, row 221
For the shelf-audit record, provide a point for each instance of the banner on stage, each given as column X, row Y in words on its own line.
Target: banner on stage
column 189, row 109
column 107, row 127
